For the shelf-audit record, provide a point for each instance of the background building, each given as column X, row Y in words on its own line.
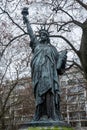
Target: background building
column 74, row 98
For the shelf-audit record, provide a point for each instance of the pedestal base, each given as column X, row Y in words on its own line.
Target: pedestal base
column 42, row 125
column 49, row 128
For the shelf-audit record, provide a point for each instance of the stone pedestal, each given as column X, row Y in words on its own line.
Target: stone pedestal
column 49, row 128
column 42, row 125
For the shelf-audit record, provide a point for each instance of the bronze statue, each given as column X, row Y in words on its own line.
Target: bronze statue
column 46, row 66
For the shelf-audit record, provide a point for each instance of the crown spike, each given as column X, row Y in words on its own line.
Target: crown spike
column 44, row 30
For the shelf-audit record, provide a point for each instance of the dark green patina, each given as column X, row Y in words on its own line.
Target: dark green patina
column 46, row 65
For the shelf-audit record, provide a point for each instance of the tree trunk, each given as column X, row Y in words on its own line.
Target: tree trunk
column 83, row 49
column 2, row 123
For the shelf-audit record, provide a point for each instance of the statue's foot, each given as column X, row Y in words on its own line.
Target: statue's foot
column 43, row 118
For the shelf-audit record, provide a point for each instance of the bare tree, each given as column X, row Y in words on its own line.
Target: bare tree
column 9, row 58
column 69, row 16
column 5, row 93
column 73, row 12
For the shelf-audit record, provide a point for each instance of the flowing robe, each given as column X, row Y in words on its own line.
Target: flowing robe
column 46, row 66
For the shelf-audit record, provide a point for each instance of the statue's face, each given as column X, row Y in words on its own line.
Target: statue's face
column 43, row 36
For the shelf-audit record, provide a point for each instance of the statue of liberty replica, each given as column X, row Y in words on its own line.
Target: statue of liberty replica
column 46, row 66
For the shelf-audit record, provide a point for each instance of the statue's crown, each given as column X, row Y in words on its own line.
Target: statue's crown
column 44, row 30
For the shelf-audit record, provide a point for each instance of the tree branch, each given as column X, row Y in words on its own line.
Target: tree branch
column 5, row 72
column 10, row 43
column 69, row 67
column 82, row 4
column 72, row 21
column 69, row 43
column 12, row 19
column 79, row 66
column 6, row 100
column 74, row 64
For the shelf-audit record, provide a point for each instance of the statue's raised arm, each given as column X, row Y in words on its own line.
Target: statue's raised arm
column 29, row 29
